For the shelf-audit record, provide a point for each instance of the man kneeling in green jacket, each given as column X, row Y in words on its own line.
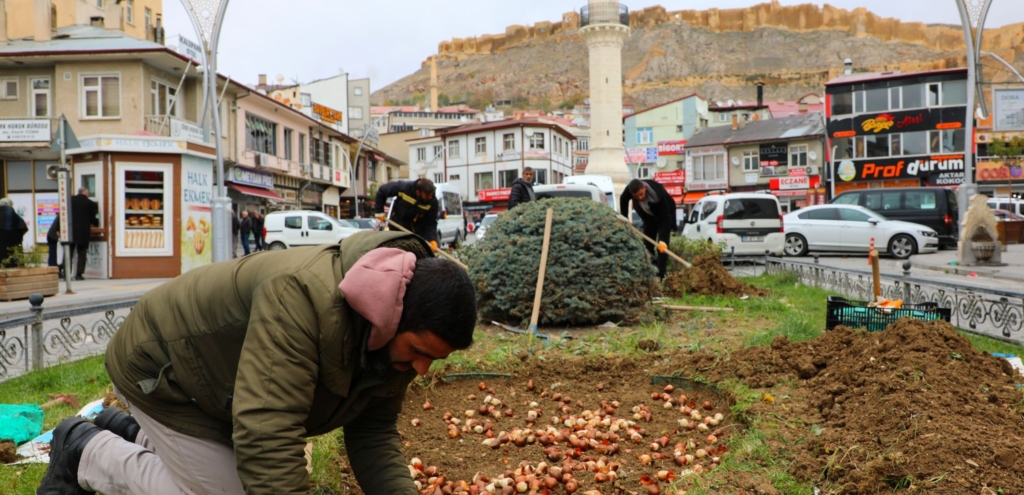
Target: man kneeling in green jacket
column 229, row 368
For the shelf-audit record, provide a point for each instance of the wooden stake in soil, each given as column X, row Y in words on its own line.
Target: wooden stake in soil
column 540, row 274
column 876, row 274
column 442, row 253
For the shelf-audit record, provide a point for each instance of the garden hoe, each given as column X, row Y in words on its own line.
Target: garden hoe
column 655, row 243
column 540, row 284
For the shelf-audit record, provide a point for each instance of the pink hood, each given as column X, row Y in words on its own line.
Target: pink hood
column 374, row 288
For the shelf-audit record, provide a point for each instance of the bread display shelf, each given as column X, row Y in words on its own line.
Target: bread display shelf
column 143, row 238
column 144, row 212
column 132, row 190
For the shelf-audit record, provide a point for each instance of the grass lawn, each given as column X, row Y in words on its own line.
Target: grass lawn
column 793, row 310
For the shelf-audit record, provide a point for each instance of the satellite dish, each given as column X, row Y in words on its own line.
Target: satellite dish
column 529, row 133
column 740, row 103
column 719, row 104
column 732, row 103
column 813, row 155
column 662, row 162
column 736, row 160
column 279, row 79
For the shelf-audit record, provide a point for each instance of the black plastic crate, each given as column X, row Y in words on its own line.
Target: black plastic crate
column 857, row 314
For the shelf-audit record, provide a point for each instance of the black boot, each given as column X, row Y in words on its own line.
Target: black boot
column 119, row 423
column 69, row 439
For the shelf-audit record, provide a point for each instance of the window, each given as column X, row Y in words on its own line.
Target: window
column 509, row 141
column 421, row 155
column 453, row 177
column 914, row 143
column 826, row 214
column 859, row 102
column 9, row 89
column 453, row 149
column 40, row 99
column 540, row 176
column 130, row 11
column 723, row 117
column 149, row 19
column 798, row 156
column 843, row 148
column 709, row 167
column 293, row 222
column 438, row 178
column 896, row 144
column 850, row 215
column 934, row 95
column 876, row 146
column 507, row 177
column 355, row 112
column 954, row 93
column 751, row 161
column 261, row 135
column 751, row 209
column 163, row 99
column 842, row 104
column 99, row 4
column 484, row 181
column 288, row 135
column 358, row 92
column 302, row 148
column 537, row 141
column 913, row 96
column 644, row 135
column 327, row 155
column 679, row 128
column 481, row 145
column 882, row 201
column 437, row 151
column 318, row 223
column 895, row 102
column 953, row 140
column 101, row 96
column 847, row 199
column 877, row 100
column 919, row 200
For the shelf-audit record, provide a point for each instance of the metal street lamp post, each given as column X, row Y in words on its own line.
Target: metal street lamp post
column 972, row 16
column 207, row 17
column 355, row 163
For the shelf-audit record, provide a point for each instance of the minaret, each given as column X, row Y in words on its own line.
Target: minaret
column 604, row 25
column 433, row 83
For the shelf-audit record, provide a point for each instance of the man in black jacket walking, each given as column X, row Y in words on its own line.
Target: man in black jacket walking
column 245, row 228
column 235, row 226
column 657, row 209
column 257, row 229
column 522, row 189
column 83, row 217
column 415, row 207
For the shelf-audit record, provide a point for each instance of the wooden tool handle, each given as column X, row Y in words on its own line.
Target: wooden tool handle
column 543, row 267
column 442, row 253
column 667, row 251
column 876, row 274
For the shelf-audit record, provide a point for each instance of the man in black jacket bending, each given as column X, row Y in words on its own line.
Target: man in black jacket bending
column 415, row 207
column 658, row 211
column 522, row 189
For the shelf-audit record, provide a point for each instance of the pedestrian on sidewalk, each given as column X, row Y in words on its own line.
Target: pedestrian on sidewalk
column 235, row 226
column 245, row 228
column 12, row 231
column 52, row 245
column 522, row 189
column 84, row 215
column 229, row 368
column 257, row 229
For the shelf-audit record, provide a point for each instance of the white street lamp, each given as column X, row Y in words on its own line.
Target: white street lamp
column 207, row 17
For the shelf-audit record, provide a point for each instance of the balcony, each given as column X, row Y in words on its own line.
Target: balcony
column 604, row 13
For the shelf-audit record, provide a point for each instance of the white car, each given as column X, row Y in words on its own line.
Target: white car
column 749, row 223
column 588, row 191
column 285, row 229
column 851, row 228
column 481, row 231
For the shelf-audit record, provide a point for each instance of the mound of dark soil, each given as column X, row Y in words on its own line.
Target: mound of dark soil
column 707, row 277
column 8, row 452
column 914, row 406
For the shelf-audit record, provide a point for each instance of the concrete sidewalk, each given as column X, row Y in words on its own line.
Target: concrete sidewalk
column 945, row 262
column 88, row 292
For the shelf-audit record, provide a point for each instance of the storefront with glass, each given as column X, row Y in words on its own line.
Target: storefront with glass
column 251, row 190
column 154, row 198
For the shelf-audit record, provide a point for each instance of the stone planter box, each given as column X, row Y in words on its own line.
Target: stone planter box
column 20, row 283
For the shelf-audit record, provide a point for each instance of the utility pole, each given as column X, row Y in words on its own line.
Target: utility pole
column 355, row 162
column 207, row 18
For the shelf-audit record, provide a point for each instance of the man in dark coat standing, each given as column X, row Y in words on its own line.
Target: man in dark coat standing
column 257, row 229
column 657, row 209
column 235, row 226
column 83, row 217
column 12, row 232
column 522, row 189
column 415, row 207
column 245, row 228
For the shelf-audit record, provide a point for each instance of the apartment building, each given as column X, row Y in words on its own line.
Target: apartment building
column 21, row 19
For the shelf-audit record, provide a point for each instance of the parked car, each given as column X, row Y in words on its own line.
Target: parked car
column 602, row 182
column 285, row 229
column 1006, row 216
column 1014, row 206
column 569, row 191
column 481, row 231
column 364, row 223
column 934, row 207
column 850, row 228
column 750, row 223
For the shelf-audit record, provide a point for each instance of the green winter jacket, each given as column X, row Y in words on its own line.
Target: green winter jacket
column 261, row 352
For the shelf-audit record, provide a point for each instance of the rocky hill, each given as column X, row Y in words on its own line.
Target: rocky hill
column 720, row 54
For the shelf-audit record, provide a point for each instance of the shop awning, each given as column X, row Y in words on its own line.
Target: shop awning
column 255, row 191
column 693, row 197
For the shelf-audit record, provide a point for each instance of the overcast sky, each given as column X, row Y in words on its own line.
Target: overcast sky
column 388, row 39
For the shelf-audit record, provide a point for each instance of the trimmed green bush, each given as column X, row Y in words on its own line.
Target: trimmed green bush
column 597, row 271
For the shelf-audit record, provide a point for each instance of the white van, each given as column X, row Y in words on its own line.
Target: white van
column 451, row 225
column 602, row 182
column 285, row 229
column 569, row 191
column 749, row 222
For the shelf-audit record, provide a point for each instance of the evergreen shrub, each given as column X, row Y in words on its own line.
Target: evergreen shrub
column 597, row 270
